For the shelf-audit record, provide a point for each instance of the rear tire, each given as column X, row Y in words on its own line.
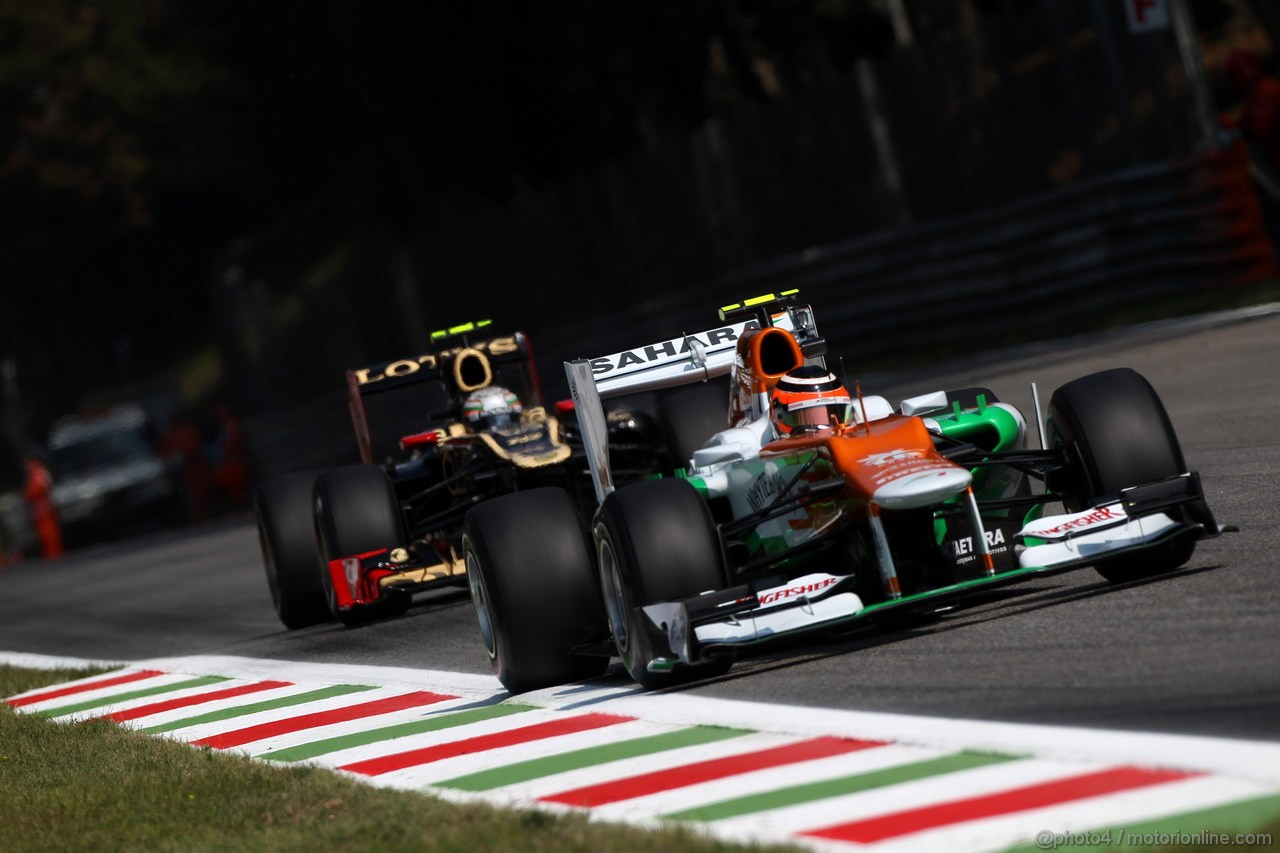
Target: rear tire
column 287, row 536
column 1117, row 434
column 530, row 571
column 356, row 511
column 655, row 541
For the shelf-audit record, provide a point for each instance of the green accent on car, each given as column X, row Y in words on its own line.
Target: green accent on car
column 992, row 428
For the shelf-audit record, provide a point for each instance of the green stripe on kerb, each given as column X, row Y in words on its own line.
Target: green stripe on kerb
column 268, row 705
column 537, row 768
column 811, row 791
column 434, row 723
column 1242, row 817
column 134, row 694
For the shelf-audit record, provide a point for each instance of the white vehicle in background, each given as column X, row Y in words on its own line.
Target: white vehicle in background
column 108, row 478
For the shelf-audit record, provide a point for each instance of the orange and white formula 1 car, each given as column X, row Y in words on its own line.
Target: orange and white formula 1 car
column 818, row 508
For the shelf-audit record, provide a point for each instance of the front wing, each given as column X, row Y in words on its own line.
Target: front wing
column 365, row 579
column 709, row 625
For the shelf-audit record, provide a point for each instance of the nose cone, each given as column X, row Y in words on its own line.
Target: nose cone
column 922, row 487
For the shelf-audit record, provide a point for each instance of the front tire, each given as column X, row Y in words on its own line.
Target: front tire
column 356, row 511
column 655, row 541
column 287, row 536
column 530, row 571
column 1117, row 434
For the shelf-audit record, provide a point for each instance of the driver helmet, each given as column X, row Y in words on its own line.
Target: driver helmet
column 493, row 408
column 807, row 398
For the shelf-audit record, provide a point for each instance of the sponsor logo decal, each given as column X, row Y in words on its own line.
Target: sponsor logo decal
column 763, row 490
column 896, row 464
column 783, row 593
column 660, row 351
column 963, row 548
column 1102, row 515
column 351, row 568
column 407, row 366
column 891, row 457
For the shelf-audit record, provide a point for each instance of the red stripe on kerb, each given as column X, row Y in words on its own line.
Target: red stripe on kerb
column 321, row 718
column 481, row 743
column 1038, row 796
column 188, row 701
column 706, row 771
column 84, row 688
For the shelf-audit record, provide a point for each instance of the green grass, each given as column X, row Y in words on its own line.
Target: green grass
column 97, row 786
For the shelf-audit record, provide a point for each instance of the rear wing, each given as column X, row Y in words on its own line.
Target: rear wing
column 438, row 380
column 674, row 362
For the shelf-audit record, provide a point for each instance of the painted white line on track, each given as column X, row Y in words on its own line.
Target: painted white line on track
column 27, row 660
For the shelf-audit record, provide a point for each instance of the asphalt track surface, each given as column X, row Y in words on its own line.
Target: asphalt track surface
column 1195, row 652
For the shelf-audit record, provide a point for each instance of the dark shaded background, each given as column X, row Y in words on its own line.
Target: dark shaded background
column 155, row 153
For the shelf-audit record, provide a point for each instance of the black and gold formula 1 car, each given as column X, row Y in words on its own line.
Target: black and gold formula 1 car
column 437, row 433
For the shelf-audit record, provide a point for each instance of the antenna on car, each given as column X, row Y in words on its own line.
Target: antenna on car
column 862, row 404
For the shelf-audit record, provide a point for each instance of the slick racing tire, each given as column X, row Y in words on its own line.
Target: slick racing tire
column 356, row 511
column 1117, row 434
column 689, row 416
column 655, row 542
column 530, row 572
column 288, row 539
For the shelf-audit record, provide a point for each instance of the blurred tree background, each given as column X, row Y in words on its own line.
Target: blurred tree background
column 140, row 139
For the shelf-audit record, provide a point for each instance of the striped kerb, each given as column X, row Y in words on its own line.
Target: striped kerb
column 1245, row 816
column 539, row 768
column 809, row 792
column 198, row 699
column 101, row 701
column 268, row 705
column 435, row 723
column 226, row 740
column 83, row 687
column 538, row 731
column 706, row 771
column 1096, row 784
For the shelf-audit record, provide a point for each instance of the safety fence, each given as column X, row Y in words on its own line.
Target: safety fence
column 1140, row 236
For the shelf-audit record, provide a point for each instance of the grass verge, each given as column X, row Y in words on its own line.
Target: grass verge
column 97, row 786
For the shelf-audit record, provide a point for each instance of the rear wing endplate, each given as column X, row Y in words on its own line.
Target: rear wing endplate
column 671, row 363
